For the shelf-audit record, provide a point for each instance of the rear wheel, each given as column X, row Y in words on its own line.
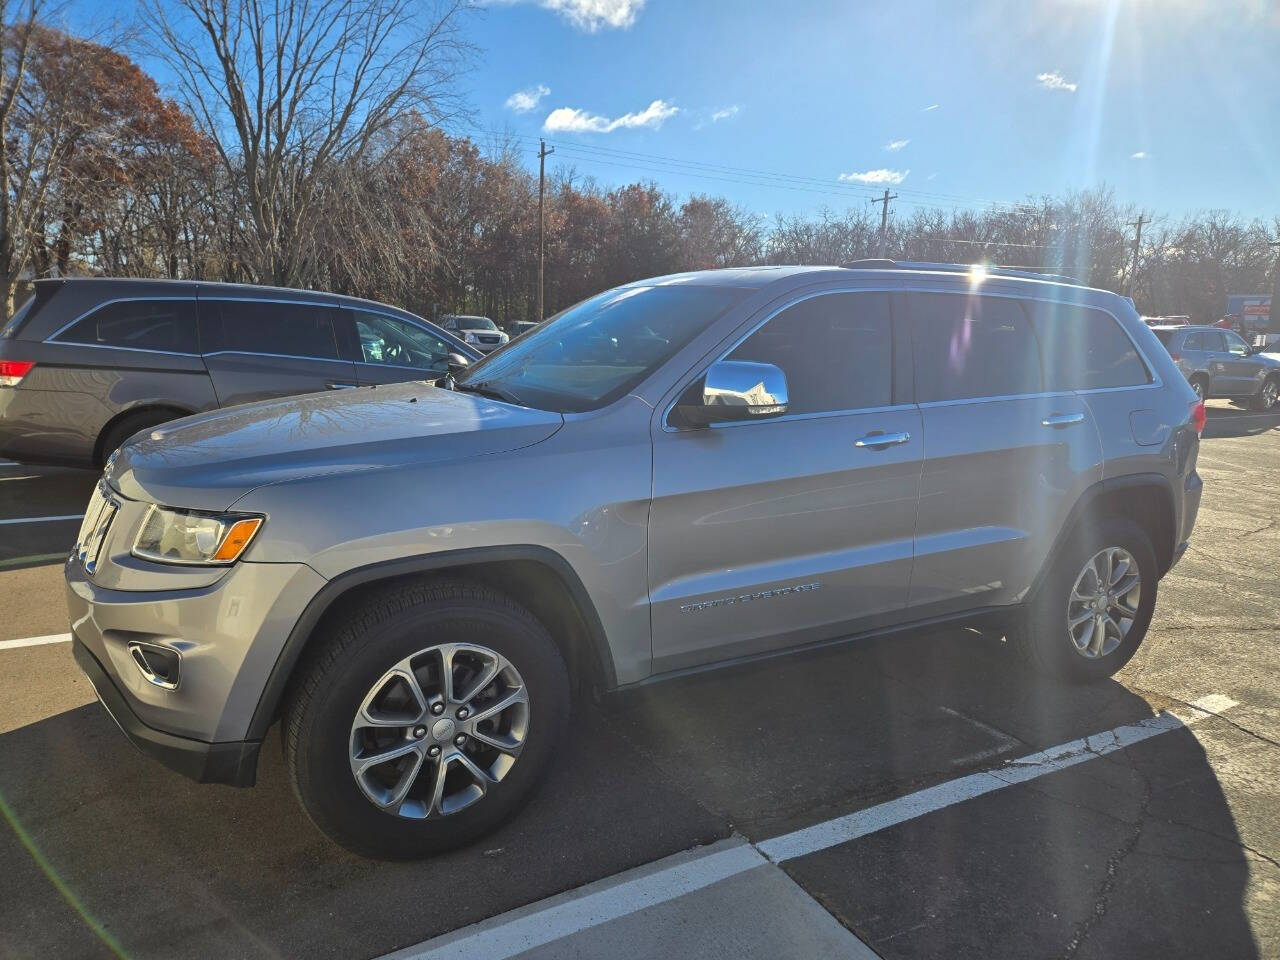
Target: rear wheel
column 1268, row 396
column 1088, row 617
column 113, row 439
column 424, row 719
column 1201, row 386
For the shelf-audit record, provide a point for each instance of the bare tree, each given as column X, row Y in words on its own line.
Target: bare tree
column 293, row 90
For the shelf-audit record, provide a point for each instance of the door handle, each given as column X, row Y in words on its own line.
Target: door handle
column 1062, row 419
column 336, row 385
column 875, row 441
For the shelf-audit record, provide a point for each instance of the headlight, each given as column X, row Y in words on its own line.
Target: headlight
column 469, row 337
column 189, row 536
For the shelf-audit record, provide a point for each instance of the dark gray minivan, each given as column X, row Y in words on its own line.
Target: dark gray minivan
column 87, row 363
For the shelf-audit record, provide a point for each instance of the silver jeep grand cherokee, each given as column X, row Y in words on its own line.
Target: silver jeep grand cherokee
column 680, row 472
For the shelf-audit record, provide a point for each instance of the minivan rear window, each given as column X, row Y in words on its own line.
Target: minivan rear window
column 164, row 325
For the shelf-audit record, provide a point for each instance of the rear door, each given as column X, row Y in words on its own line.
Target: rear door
column 256, row 349
column 769, row 533
column 1005, row 458
column 390, row 349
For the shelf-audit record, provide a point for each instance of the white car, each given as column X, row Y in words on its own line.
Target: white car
column 479, row 332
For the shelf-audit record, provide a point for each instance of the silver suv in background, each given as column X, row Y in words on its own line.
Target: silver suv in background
column 479, row 332
column 87, row 363
column 1218, row 363
column 675, row 474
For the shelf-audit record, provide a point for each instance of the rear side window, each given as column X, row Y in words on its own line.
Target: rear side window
column 1085, row 349
column 280, row 329
column 968, row 346
column 165, row 325
column 836, row 351
column 1194, row 341
column 1214, row 341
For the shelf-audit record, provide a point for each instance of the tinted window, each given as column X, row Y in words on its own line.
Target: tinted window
column 288, row 329
column 1194, row 341
column 476, row 323
column 387, row 340
column 1085, row 349
column 972, row 346
column 1164, row 336
column 836, row 351
column 168, row 325
column 1213, row 341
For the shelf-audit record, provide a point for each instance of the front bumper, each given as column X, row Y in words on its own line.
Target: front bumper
column 234, row 763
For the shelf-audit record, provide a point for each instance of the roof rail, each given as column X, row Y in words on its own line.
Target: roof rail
column 995, row 270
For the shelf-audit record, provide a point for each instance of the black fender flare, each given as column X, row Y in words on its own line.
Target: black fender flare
column 273, row 691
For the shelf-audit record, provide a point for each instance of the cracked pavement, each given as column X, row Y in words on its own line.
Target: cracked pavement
column 1166, row 848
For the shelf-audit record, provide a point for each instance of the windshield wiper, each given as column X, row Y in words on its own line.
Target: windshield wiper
column 488, row 388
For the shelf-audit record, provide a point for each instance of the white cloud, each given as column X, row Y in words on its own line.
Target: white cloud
column 1140, row 155
column 932, row 106
column 572, row 120
column 895, row 145
column 881, row 177
column 592, row 15
column 1056, row 81
column 726, row 113
column 522, row 101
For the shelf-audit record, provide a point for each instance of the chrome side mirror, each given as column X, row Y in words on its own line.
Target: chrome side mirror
column 457, row 362
column 734, row 390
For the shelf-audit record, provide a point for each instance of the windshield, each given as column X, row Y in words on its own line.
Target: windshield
column 593, row 353
column 476, row 323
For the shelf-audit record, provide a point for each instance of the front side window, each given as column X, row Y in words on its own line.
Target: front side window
column 593, row 353
column 836, row 351
column 1085, row 349
column 393, row 342
column 970, row 346
column 1235, row 345
column 282, row 329
column 164, row 325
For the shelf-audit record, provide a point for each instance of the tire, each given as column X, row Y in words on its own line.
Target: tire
column 1201, row 386
column 1044, row 638
column 343, row 671
column 1268, row 395
column 113, row 439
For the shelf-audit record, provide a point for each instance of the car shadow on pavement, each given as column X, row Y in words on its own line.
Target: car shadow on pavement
column 1135, row 854
column 1235, row 422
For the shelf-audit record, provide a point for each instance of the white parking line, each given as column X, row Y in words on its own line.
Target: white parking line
column 34, row 641
column 67, row 516
column 892, row 812
column 607, row 900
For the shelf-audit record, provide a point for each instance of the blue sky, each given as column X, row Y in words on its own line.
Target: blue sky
column 1173, row 103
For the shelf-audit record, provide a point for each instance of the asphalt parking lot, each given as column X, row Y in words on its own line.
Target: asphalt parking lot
column 1140, row 846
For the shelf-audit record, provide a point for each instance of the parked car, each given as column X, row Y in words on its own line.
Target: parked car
column 518, row 328
column 480, row 332
column 87, row 363
column 1218, row 363
column 669, row 476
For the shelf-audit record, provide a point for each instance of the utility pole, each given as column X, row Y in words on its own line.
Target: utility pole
column 1137, row 243
column 884, row 220
column 543, row 153
column 1273, row 318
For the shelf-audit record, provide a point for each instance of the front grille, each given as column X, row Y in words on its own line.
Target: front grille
column 93, row 529
column 490, row 338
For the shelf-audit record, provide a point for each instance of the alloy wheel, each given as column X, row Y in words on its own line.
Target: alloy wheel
column 1198, row 387
column 1270, row 393
column 1104, row 602
column 439, row 730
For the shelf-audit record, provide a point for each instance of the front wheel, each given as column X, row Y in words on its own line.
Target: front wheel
column 425, row 717
column 1093, row 609
column 1268, row 396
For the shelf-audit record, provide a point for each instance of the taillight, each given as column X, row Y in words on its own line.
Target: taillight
column 1198, row 416
column 12, row 371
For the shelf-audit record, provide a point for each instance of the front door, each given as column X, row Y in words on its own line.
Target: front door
column 770, row 533
column 391, row 350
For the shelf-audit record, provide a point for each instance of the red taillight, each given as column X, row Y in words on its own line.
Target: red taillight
column 1198, row 416
column 12, row 371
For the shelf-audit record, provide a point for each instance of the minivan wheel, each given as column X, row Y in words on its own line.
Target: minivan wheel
column 1093, row 609
column 114, row 438
column 423, row 719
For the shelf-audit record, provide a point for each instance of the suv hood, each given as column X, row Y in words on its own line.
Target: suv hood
column 209, row 461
